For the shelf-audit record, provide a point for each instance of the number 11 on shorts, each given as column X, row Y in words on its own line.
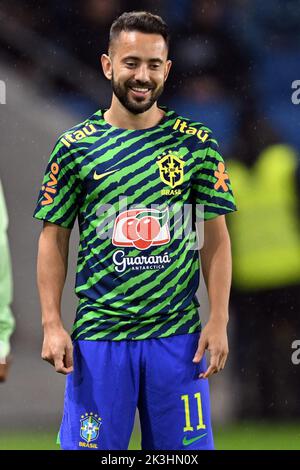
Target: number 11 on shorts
column 188, row 426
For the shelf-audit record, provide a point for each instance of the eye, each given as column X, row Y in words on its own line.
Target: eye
column 130, row 64
column 155, row 66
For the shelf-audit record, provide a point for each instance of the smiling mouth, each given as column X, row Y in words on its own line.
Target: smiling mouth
column 140, row 91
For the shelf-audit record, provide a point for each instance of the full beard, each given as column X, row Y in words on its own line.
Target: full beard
column 135, row 106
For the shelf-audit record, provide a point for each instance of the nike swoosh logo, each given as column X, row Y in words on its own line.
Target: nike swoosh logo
column 187, row 442
column 98, row 177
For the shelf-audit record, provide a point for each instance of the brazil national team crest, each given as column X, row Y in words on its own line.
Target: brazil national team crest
column 171, row 171
column 89, row 429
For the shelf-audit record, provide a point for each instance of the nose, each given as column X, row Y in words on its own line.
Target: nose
column 142, row 73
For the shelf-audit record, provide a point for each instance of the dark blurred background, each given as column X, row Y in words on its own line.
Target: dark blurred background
column 235, row 66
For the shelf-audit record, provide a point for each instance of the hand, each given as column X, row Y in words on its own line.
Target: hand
column 214, row 338
column 58, row 349
column 4, row 371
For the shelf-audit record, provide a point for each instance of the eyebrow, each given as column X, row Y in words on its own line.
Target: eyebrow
column 154, row 59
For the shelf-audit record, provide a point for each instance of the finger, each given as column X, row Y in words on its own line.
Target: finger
column 59, row 365
column 219, row 361
column 218, row 357
column 62, row 370
column 68, row 359
column 213, row 367
column 200, row 351
column 65, row 370
column 223, row 362
column 210, row 371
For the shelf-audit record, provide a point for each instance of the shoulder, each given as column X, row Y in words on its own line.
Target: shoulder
column 195, row 132
column 77, row 135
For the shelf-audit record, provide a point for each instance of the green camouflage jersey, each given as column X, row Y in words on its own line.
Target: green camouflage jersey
column 136, row 194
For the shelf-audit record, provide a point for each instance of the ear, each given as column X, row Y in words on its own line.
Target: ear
column 106, row 66
column 167, row 69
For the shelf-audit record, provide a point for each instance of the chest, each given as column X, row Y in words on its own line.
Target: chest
column 138, row 169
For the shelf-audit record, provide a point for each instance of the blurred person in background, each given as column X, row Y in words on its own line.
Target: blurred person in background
column 211, row 68
column 7, row 322
column 204, row 46
column 136, row 336
column 87, row 26
column 265, row 297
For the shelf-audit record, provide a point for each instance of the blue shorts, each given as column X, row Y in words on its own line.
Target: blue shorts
column 113, row 378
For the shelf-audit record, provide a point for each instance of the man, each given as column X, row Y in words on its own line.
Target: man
column 136, row 333
column 6, row 318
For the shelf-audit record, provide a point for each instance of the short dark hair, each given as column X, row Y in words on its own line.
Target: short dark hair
column 142, row 21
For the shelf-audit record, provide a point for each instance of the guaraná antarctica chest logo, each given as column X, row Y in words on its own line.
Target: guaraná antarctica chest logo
column 137, row 233
column 141, row 229
column 89, row 429
column 171, row 171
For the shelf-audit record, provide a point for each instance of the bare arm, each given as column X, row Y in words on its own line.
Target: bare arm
column 217, row 269
column 52, row 266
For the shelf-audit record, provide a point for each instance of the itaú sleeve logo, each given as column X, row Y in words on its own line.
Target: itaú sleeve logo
column 141, row 228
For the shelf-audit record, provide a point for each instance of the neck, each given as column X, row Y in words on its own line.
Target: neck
column 118, row 116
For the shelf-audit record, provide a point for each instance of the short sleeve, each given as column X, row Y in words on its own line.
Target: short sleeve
column 211, row 184
column 59, row 194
